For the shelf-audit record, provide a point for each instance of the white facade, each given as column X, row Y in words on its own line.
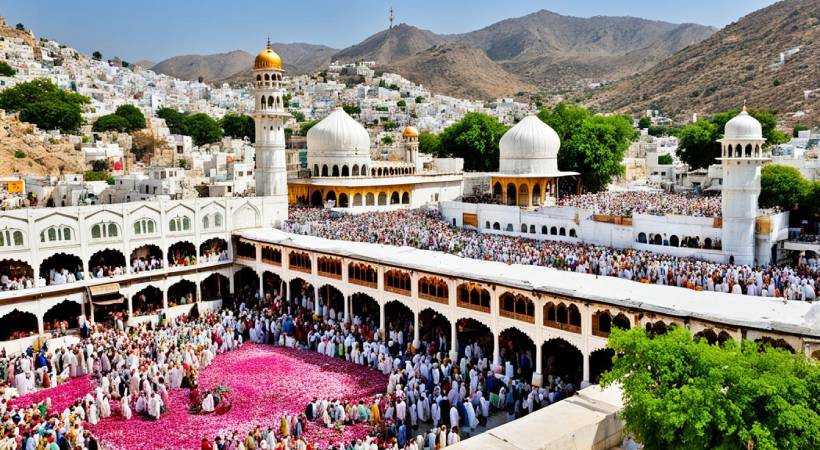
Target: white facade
column 270, row 116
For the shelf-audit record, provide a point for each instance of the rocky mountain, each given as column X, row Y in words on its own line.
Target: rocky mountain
column 459, row 70
column 560, row 52
column 391, row 45
column 24, row 153
column 145, row 63
column 235, row 65
column 768, row 59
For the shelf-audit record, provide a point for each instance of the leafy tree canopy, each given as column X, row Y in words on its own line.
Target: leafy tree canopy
column 645, row 122
column 591, row 145
column 133, row 115
column 175, row 120
column 783, row 186
column 685, row 394
column 239, row 126
column 6, row 70
column 428, row 143
column 304, row 127
column 44, row 104
column 203, row 129
column 111, row 122
column 475, row 138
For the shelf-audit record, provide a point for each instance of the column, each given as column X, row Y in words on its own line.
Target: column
column 164, row 299
column 261, row 285
column 315, row 299
column 348, row 299
column 538, row 376
column 415, row 328
column 585, row 381
column 496, row 351
column 40, row 327
column 453, row 344
column 381, row 320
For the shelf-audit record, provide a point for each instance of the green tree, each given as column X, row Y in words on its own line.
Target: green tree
column 304, row 127
column 401, row 103
column 203, row 129
column 175, row 120
column 798, row 128
column 100, row 165
column 685, row 394
column 19, row 154
column 352, row 109
column 51, row 115
column 428, row 143
column 387, row 140
column 665, row 159
column 782, row 186
column 697, row 144
column 297, row 116
column 6, row 70
column 133, row 115
column 645, row 122
column 110, row 122
column 475, row 138
column 419, row 99
column 767, row 119
column 239, row 126
column 390, row 125
column 591, row 145
column 96, row 55
column 42, row 103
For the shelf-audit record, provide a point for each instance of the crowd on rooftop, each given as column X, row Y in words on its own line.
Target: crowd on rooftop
column 626, row 204
column 424, row 229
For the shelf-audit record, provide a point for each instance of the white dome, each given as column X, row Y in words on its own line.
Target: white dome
column 338, row 135
column 744, row 127
column 531, row 146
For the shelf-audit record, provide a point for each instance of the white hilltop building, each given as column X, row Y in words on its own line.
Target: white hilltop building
column 519, row 199
column 342, row 171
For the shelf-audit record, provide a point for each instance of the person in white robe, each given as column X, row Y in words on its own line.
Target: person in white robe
column 208, row 403
column 154, row 406
column 125, row 406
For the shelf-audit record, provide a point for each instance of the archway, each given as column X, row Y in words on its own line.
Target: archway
column 215, row 287
column 357, row 199
column 331, row 197
column 214, row 250
column 600, row 361
column 366, row 309
column 62, row 316
column 536, row 195
column 316, row 199
column 324, row 170
column 767, row 342
column 147, row 301
column 511, row 194
column 273, row 287
column 562, row 359
column 405, row 198
column 476, row 335
column 182, row 253
column 182, row 292
column 395, row 199
column 434, row 328
column 147, row 257
column 345, row 171
column 518, row 349
column 656, row 328
column 18, row 324
column 335, row 171
column 370, row 199
column 300, row 290
column 398, row 319
column 708, row 335
column 343, row 203
column 61, row 268
column 642, row 238
column 245, row 285
column 382, row 198
column 331, row 302
column 106, row 263
column 498, row 192
column 523, row 195
column 15, row 274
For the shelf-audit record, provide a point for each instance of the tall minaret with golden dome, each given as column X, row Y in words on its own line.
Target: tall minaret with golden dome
column 270, row 116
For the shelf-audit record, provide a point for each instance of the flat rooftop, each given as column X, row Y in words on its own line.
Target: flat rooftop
column 793, row 317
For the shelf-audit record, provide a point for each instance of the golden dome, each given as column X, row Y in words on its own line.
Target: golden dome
column 268, row 59
column 410, row 132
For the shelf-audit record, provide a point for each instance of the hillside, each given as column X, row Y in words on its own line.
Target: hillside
column 738, row 64
column 390, row 45
column 235, row 65
column 459, row 70
column 38, row 157
column 564, row 52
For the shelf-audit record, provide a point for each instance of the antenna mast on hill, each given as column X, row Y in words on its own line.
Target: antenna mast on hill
column 392, row 17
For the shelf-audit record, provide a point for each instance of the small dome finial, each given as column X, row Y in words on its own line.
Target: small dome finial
column 268, row 46
column 744, row 105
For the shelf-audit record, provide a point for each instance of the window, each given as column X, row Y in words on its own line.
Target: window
column 330, row 267
column 362, row 274
column 518, row 307
column 56, row 234
column 397, row 281
column 473, row 296
column 563, row 317
column 180, row 223
column 433, row 288
column 272, row 255
column 299, row 261
column 11, row 238
column 213, row 220
column 144, row 226
column 104, row 230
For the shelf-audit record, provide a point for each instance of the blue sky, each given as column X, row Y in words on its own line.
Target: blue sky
column 157, row 29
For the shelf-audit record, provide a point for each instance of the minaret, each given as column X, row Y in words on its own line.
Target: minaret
column 410, row 135
column 742, row 158
column 270, row 116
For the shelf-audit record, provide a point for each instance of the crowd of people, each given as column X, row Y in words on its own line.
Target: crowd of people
column 133, row 370
column 15, row 280
column 430, row 401
column 652, row 203
column 146, row 263
column 104, row 271
column 64, row 275
column 424, row 229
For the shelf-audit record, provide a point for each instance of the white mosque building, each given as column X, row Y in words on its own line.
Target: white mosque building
column 519, row 199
